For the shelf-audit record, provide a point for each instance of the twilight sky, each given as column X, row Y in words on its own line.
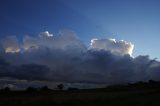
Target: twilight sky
column 78, row 41
column 137, row 21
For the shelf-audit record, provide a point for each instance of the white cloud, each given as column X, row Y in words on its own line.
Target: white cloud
column 45, row 34
column 116, row 47
column 63, row 40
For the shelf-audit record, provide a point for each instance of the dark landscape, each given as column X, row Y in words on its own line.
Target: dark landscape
column 137, row 94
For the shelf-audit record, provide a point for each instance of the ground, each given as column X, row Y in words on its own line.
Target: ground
column 112, row 96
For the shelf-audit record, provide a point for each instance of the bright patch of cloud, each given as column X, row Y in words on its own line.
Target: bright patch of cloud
column 10, row 44
column 116, row 47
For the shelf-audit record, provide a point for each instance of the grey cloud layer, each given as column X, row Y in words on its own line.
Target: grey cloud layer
column 65, row 58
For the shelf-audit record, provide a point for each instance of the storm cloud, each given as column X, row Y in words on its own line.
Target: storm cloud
column 64, row 58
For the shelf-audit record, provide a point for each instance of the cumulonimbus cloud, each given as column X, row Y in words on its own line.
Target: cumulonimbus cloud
column 65, row 58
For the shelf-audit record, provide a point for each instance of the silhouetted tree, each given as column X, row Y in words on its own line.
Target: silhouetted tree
column 7, row 89
column 60, row 86
column 44, row 88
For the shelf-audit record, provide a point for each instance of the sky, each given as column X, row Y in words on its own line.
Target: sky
column 74, row 41
column 137, row 21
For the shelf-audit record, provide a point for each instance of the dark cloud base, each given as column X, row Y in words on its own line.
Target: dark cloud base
column 91, row 67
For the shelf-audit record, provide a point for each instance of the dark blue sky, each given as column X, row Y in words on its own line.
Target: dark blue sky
column 137, row 21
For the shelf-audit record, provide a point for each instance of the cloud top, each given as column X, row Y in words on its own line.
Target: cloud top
column 116, row 47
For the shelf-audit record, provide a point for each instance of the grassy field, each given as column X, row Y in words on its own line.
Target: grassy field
column 111, row 96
